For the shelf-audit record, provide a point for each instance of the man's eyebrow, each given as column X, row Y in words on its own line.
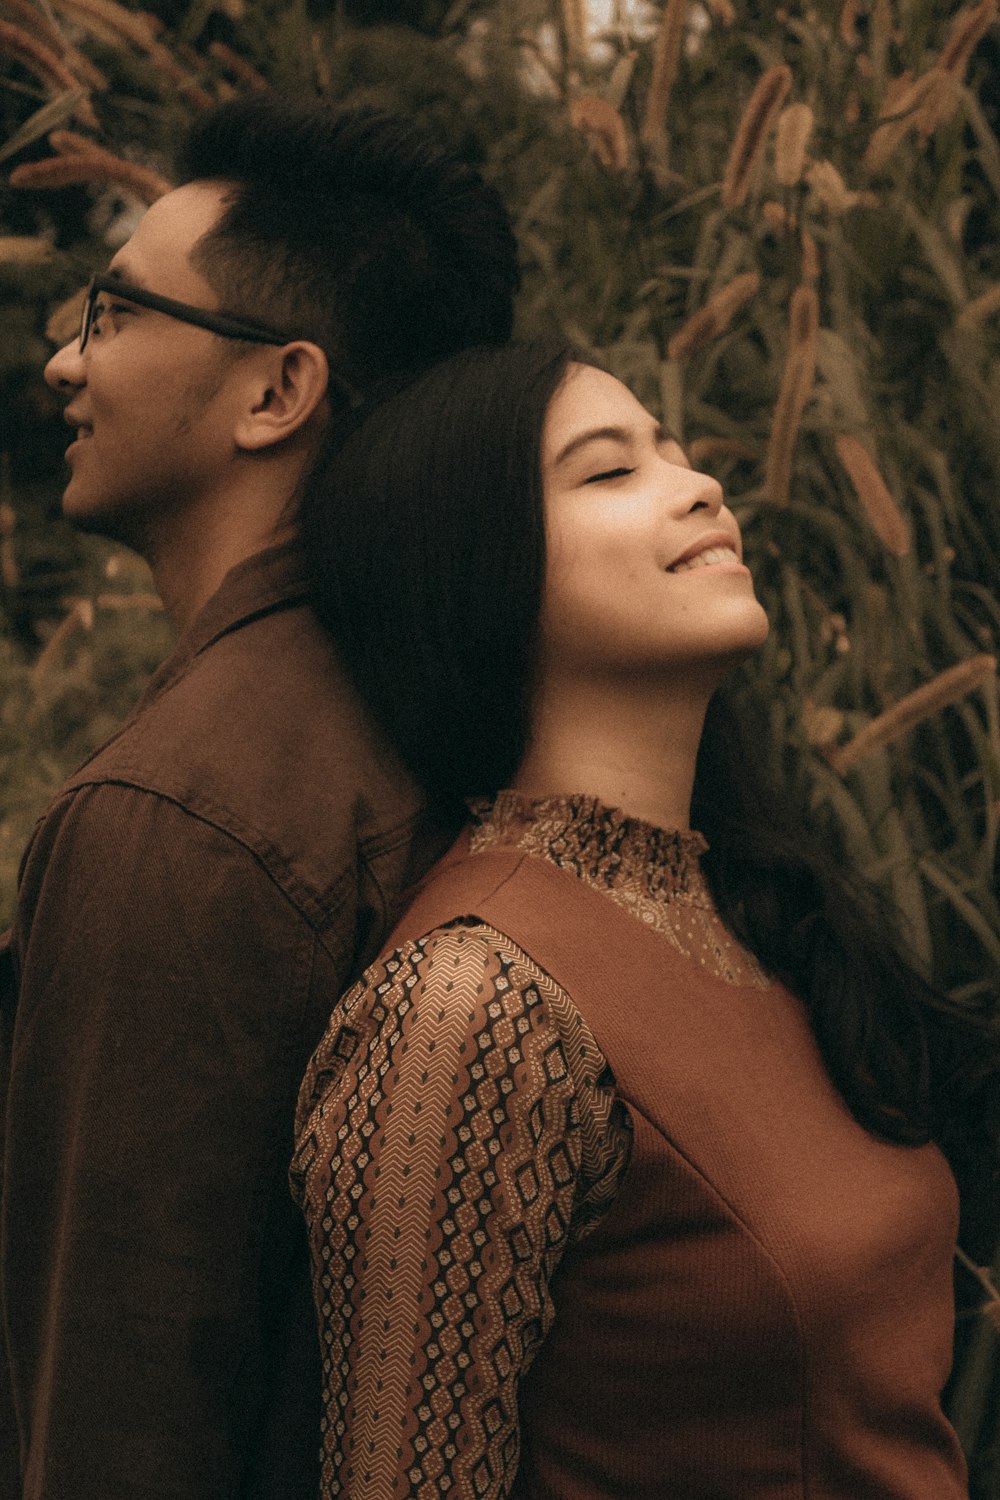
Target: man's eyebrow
column 661, row 434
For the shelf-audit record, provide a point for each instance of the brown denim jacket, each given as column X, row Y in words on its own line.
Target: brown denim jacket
column 190, row 907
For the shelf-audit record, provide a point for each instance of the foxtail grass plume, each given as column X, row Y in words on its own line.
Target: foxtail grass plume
column 64, row 321
column 980, row 308
column 23, row 249
column 898, row 116
column 603, row 129
column 238, row 67
column 776, row 216
column 753, row 131
column 39, row 60
column 832, row 192
column 575, row 27
column 708, row 448
column 144, row 182
column 722, row 10
column 666, row 60
column 923, row 703
column 31, row 18
column 716, row 314
column 848, row 24
column 873, row 494
column 810, row 264
column 95, row 165
column 10, row 572
column 967, row 30
column 111, row 22
column 791, row 141
column 796, row 388
column 115, row 25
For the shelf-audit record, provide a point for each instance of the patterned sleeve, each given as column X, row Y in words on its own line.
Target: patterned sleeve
column 458, row 1127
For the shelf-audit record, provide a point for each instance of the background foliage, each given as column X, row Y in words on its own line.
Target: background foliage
column 778, row 224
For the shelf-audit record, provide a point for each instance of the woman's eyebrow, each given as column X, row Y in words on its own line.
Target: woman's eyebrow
column 661, row 434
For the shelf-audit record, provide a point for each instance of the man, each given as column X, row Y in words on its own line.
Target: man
column 196, row 897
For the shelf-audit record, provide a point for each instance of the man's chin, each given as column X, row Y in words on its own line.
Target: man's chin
column 88, row 515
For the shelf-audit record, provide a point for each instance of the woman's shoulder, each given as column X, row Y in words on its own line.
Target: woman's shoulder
column 462, row 971
column 444, row 1011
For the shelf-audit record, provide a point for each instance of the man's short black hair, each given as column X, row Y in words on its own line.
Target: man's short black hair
column 355, row 229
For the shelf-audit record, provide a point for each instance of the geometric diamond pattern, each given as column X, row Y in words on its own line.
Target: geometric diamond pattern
column 457, row 1130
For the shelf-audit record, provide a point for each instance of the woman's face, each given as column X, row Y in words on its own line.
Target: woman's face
column 644, row 565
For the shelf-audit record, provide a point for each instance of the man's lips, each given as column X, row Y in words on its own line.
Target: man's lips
column 83, row 429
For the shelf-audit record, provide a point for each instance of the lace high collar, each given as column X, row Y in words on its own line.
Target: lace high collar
column 599, row 843
column 653, row 873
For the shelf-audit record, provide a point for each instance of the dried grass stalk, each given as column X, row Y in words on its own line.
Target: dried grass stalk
column 95, row 166
column 41, row 61
column 10, row 573
column 143, row 181
column 666, row 60
column 30, row 17
column 899, row 115
column 111, row 21
column 722, row 10
column 923, row 703
column 23, row 249
column 873, row 494
column 848, row 25
column 575, row 27
column 79, row 616
column 603, row 128
column 791, row 140
column 72, row 143
column 115, row 23
column 776, row 216
column 64, row 321
column 753, row 131
column 832, row 191
column 980, row 308
column 823, row 725
column 796, row 388
column 716, row 314
column 810, row 263
column 121, row 602
column 965, row 33
column 703, row 450
column 238, row 67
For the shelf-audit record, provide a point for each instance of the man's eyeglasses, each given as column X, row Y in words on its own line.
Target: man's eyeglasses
column 230, row 328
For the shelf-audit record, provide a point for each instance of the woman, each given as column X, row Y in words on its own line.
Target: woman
column 617, row 1163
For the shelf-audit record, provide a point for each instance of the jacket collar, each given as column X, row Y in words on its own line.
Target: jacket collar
column 270, row 580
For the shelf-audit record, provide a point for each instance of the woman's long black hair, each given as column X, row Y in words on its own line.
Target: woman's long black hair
column 425, row 538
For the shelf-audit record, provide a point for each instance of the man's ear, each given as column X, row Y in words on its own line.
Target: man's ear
column 286, row 388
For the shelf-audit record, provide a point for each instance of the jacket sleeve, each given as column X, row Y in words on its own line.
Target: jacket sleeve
column 442, row 1166
column 168, row 997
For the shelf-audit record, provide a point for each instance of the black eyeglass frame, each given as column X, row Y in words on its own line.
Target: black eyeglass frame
column 220, row 323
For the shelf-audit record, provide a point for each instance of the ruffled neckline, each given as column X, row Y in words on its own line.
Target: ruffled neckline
column 601, row 844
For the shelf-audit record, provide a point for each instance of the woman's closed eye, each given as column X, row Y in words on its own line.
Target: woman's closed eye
column 616, row 473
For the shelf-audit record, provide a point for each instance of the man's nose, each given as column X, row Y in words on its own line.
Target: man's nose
column 65, row 370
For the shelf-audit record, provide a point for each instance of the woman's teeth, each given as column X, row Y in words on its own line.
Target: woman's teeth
column 703, row 559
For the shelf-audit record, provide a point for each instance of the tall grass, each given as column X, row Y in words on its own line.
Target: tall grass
column 780, row 226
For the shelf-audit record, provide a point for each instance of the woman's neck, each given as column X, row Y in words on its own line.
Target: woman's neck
column 630, row 744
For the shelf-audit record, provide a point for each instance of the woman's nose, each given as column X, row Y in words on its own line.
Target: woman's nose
column 65, row 370
column 697, row 491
